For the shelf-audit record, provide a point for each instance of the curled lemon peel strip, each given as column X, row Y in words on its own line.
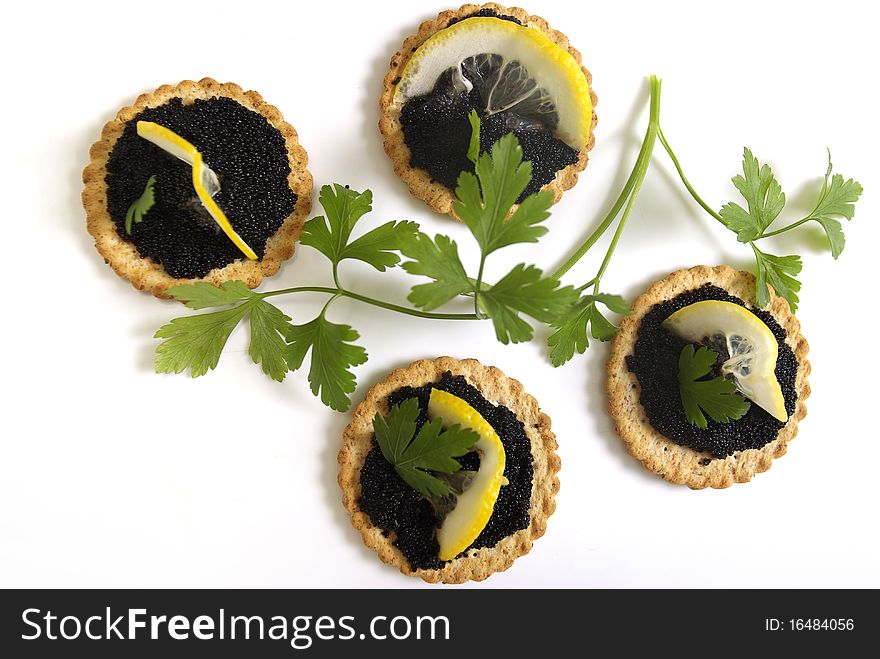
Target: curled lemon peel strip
column 171, row 142
column 475, row 505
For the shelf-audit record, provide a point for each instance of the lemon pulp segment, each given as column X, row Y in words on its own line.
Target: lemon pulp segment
column 204, row 179
column 544, row 74
column 475, row 505
column 750, row 345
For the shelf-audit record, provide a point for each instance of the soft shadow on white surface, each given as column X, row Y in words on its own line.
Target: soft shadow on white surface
column 803, row 199
column 808, row 239
column 121, row 477
column 597, row 408
column 75, row 161
column 329, row 476
column 142, row 332
column 629, row 141
column 370, row 114
column 696, row 218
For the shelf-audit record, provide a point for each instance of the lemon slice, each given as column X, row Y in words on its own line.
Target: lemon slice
column 474, row 506
column 514, row 67
column 748, row 343
column 204, row 179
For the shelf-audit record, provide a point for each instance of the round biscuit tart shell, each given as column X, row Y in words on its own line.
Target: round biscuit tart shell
column 144, row 273
column 680, row 464
column 498, row 389
column 420, row 184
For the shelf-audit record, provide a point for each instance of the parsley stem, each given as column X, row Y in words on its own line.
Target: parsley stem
column 327, row 304
column 614, row 240
column 758, row 252
column 338, row 291
column 584, row 287
column 478, row 286
column 301, row 289
column 591, row 240
column 785, row 228
column 600, row 230
column 407, row 310
column 684, row 179
column 638, row 172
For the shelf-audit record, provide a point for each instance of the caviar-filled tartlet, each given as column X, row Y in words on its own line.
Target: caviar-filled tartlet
column 705, row 388
column 520, row 76
column 197, row 182
column 449, row 470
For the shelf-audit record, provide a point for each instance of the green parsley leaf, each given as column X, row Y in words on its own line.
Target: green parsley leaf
column 344, row 207
column 269, row 329
column 571, row 327
column 437, row 259
column 378, row 246
column 202, row 295
column 763, row 195
column 331, row 235
column 524, row 290
column 502, row 176
column 834, row 231
column 780, row 272
column 393, row 437
column 474, row 145
column 333, row 353
column 141, row 206
column 195, row 342
column 432, row 450
column 837, row 199
column 520, row 227
column 716, row 397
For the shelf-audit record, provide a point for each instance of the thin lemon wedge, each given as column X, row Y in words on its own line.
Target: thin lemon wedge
column 748, row 343
column 204, row 180
column 515, row 67
column 475, row 505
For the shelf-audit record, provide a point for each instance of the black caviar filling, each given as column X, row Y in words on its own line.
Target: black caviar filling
column 487, row 13
column 247, row 153
column 394, row 506
column 655, row 363
column 437, row 132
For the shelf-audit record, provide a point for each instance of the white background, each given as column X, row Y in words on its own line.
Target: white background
column 115, row 476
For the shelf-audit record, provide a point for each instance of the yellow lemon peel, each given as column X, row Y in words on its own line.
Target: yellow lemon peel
column 475, row 505
column 551, row 67
column 202, row 176
column 751, row 347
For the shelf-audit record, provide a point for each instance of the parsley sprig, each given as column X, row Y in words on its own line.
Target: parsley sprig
column 416, row 455
column 486, row 203
column 276, row 343
column 716, row 396
column 141, row 206
column 486, row 200
column 765, row 201
column 571, row 327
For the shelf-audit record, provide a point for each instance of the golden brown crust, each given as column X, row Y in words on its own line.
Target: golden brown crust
column 435, row 194
column 144, row 273
column 497, row 388
column 679, row 464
